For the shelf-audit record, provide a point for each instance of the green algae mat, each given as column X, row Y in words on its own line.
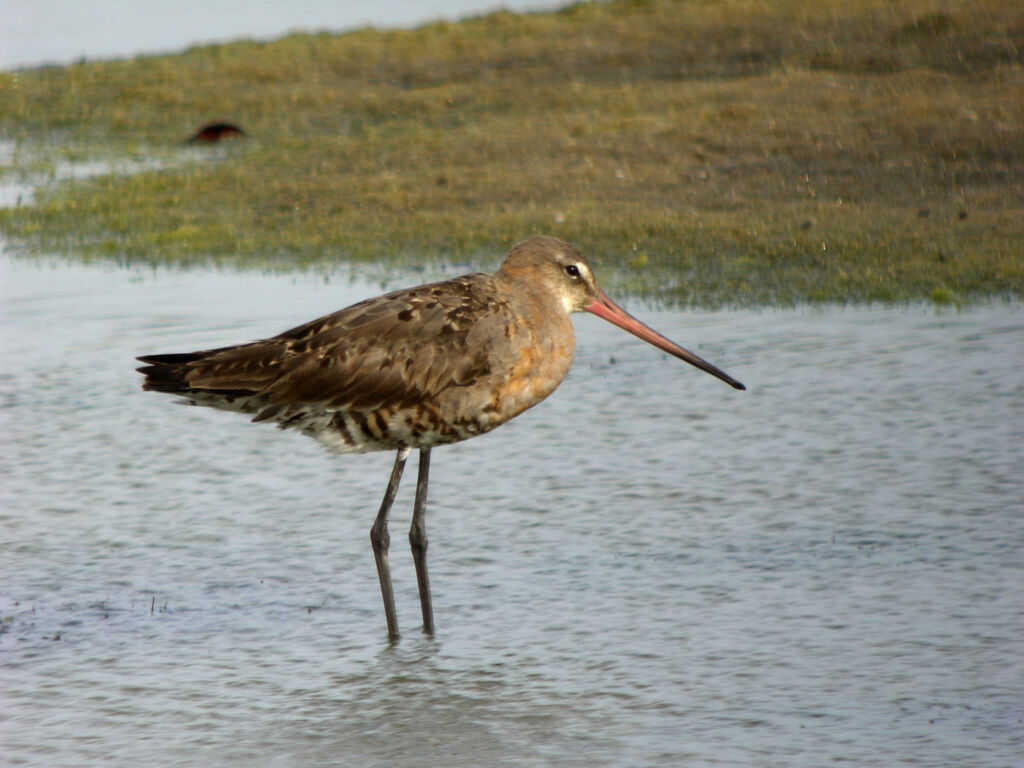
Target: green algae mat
column 731, row 152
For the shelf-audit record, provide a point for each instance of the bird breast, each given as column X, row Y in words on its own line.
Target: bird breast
column 538, row 358
column 529, row 350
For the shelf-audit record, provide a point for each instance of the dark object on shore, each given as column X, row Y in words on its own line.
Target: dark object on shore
column 216, row 132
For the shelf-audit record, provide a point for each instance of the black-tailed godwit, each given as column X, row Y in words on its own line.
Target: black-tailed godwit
column 414, row 368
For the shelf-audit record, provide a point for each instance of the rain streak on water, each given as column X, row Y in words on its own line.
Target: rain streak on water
column 648, row 569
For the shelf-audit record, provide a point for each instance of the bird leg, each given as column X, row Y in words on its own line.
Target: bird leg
column 418, row 540
column 381, row 540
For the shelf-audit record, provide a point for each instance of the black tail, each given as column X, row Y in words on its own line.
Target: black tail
column 166, row 373
column 204, row 375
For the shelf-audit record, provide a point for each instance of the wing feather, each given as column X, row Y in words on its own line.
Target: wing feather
column 399, row 349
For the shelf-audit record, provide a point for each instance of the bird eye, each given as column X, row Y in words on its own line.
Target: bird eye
column 572, row 270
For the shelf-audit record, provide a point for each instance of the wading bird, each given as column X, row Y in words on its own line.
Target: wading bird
column 414, row 368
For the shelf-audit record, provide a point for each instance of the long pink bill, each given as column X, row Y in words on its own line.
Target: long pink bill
column 607, row 309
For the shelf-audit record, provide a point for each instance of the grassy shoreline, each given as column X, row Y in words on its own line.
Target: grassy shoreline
column 703, row 153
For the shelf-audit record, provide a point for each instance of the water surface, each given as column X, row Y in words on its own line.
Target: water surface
column 61, row 31
column 648, row 569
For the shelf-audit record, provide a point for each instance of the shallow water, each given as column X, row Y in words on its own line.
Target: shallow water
column 62, row 31
column 647, row 569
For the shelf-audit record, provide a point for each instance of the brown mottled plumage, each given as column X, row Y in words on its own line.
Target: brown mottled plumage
column 414, row 368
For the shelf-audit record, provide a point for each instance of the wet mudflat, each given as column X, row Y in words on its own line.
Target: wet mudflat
column 646, row 569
